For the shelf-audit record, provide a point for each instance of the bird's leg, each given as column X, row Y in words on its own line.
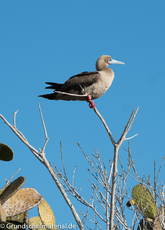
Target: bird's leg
column 91, row 103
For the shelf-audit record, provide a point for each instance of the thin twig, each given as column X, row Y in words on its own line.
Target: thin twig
column 14, row 119
column 7, row 181
column 74, row 175
column 42, row 159
column 63, row 161
column 43, row 123
column 22, row 138
column 129, row 138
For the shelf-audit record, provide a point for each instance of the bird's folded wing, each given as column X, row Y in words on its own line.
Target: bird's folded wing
column 82, row 80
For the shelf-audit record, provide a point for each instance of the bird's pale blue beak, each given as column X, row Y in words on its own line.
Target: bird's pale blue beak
column 112, row 61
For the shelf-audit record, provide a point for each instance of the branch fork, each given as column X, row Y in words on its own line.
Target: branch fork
column 100, row 174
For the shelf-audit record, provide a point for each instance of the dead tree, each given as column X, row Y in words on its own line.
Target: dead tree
column 110, row 190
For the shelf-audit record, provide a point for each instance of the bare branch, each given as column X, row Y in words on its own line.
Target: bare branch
column 102, row 191
column 105, row 125
column 73, row 175
column 160, row 168
column 128, row 138
column 63, row 161
column 22, row 138
column 14, row 120
column 41, row 157
column 46, row 135
column 7, row 181
column 128, row 126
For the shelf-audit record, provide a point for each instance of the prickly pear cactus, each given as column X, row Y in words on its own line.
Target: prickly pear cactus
column 144, row 201
column 20, row 218
column 46, row 218
column 130, row 203
column 16, row 222
column 3, row 189
column 46, row 214
column 14, row 206
column 35, row 223
column 6, row 153
column 2, row 214
column 23, row 200
column 11, row 189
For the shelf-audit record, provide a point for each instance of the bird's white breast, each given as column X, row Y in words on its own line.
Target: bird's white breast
column 97, row 89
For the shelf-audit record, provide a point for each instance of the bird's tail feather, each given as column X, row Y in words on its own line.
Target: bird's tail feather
column 53, row 85
column 48, row 96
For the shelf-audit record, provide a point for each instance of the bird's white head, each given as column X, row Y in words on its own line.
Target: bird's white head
column 104, row 61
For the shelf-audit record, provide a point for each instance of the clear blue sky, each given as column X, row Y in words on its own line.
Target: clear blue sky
column 53, row 40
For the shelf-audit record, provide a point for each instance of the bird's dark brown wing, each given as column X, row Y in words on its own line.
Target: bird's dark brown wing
column 74, row 88
column 83, row 80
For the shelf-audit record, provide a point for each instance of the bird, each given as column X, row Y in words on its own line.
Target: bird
column 85, row 86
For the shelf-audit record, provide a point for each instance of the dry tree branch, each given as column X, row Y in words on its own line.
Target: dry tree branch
column 105, row 199
column 41, row 157
column 7, row 181
column 43, row 123
column 160, row 168
column 72, row 190
column 105, row 125
column 116, row 149
column 46, row 135
column 73, row 175
column 14, row 118
column 85, row 217
column 22, row 138
column 100, row 174
column 62, row 159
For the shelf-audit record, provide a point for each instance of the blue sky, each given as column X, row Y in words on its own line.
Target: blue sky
column 53, row 40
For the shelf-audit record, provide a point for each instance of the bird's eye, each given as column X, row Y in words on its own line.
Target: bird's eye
column 110, row 59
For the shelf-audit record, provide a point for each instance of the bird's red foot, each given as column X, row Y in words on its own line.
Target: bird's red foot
column 91, row 103
column 88, row 98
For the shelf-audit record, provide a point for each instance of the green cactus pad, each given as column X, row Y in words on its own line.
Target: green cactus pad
column 130, row 203
column 6, row 153
column 2, row 214
column 23, row 200
column 12, row 189
column 46, row 214
column 35, row 223
column 3, row 189
column 20, row 219
column 144, row 201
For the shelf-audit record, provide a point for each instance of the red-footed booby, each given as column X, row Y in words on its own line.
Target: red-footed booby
column 85, row 86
